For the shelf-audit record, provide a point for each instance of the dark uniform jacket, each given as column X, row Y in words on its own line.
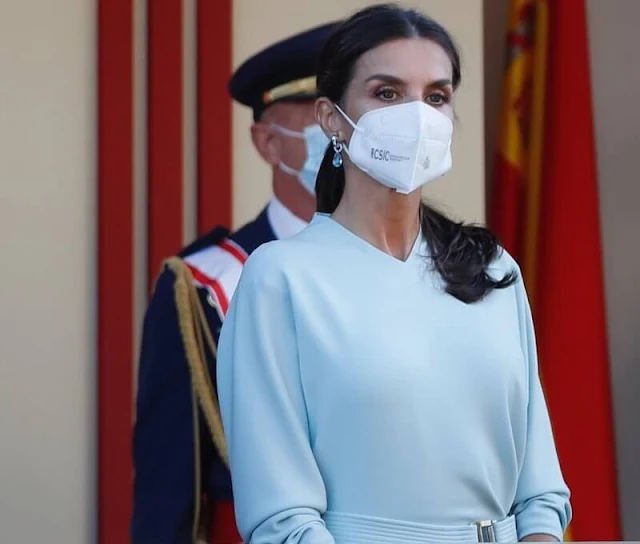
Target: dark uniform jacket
column 163, row 445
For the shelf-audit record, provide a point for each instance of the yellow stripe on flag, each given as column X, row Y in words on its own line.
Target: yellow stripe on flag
column 567, row 535
column 511, row 144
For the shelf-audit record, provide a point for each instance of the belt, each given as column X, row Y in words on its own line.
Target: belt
column 357, row 529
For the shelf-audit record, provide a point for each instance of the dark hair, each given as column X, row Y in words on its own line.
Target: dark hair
column 460, row 253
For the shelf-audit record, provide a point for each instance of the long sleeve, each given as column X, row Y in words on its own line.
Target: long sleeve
column 163, row 499
column 542, row 498
column 278, row 490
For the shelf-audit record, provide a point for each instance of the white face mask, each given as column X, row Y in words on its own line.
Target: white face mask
column 402, row 146
column 316, row 143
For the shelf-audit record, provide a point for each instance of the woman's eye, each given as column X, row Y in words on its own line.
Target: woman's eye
column 387, row 94
column 437, row 99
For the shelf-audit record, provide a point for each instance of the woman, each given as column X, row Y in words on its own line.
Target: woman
column 377, row 373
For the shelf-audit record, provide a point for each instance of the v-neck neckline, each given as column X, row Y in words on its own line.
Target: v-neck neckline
column 368, row 246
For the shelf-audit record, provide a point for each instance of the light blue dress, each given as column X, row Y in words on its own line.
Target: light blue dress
column 362, row 404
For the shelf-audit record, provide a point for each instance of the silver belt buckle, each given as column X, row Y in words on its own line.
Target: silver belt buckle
column 486, row 531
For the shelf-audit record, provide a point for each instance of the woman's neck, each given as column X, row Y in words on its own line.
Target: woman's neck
column 386, row 219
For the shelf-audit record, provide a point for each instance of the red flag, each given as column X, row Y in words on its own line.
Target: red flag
column 550, row 221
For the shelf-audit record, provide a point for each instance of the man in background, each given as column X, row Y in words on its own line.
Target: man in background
column 182, row 489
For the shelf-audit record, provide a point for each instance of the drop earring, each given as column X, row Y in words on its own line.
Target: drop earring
column 337, row 152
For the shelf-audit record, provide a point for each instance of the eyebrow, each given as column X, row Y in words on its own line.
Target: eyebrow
column 393, row 80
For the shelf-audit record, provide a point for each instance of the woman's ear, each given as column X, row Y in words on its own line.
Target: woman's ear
column 266, row 143
column 329, row 119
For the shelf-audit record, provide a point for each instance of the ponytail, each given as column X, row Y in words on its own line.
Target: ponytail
column 462, row 254
column 329, row 183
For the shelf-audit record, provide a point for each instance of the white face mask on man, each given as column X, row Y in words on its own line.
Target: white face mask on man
column 316, row 143
column 402, row 146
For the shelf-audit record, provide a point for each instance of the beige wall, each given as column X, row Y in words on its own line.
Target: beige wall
column 496, row 17
column 616, row 88
column 256, row 24
column 47, row 288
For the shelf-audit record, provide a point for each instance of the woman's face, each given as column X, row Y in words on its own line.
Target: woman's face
column 397, row 72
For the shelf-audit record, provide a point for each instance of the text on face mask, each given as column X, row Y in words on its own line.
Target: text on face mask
column 386, row 155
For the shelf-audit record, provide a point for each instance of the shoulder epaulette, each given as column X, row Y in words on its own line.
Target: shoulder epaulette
column 217, row 268
column 211, row 238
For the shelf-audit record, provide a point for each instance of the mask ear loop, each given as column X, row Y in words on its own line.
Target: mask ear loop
column 293, row 134
column 287, row 131
column 353, row 125
column 355, row 128
column 288, row 170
